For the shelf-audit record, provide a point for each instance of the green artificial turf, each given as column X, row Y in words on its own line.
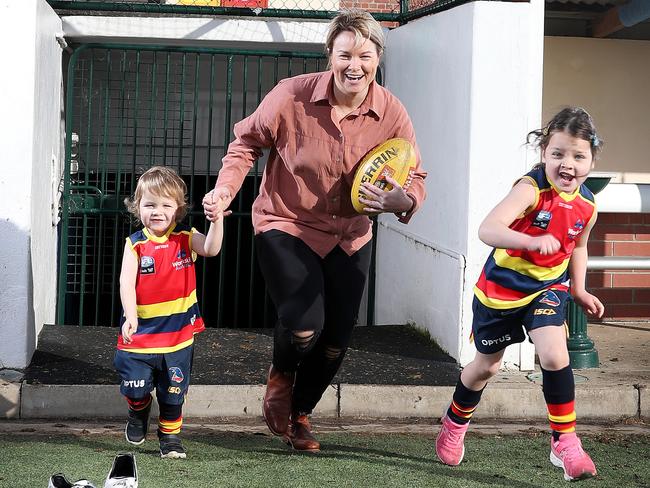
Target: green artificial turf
column 346, row 460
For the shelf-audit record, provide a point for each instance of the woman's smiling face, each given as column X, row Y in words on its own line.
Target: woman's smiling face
column 354, row 65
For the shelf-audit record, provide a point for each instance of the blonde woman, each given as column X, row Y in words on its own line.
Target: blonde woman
column 313, row 248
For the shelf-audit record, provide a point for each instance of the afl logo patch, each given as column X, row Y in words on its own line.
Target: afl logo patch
column 147, row 265
column 542, row 219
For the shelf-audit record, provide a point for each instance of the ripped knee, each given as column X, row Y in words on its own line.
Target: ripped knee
column 303, row 340
column 333, row 353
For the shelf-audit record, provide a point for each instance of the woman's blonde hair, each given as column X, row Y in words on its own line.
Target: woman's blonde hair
column 162, row 182
column 361, row 24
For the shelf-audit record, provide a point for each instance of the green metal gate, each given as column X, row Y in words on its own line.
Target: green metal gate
column 131, row 107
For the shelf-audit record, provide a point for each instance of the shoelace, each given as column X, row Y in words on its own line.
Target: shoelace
column 572, row 451
column 454, row 437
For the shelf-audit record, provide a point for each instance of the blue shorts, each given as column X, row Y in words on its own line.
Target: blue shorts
column 168, row 373
column 494, row 329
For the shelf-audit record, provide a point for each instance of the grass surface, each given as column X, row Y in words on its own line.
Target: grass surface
column 346, row 460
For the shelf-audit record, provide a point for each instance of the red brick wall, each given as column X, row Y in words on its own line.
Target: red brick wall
column 371, row 6
column 626, row 294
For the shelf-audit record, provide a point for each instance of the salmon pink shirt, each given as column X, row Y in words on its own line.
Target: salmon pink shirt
column 305, row 189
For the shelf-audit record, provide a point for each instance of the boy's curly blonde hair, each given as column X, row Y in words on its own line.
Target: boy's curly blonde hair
column 162, row 182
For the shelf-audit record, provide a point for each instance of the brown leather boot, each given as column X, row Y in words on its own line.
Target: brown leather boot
column 277, row 400
column 299, row 435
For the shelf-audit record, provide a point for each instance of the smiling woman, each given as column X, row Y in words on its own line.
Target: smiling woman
column 354, row 59
column 313, row 247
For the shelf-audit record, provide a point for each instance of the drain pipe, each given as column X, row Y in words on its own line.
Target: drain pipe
column 621, row 16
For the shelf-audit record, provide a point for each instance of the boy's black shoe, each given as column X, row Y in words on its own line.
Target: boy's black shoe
column 171, row 446
column 137, row 426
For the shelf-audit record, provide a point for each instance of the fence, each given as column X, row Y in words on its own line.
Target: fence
column 392, row 11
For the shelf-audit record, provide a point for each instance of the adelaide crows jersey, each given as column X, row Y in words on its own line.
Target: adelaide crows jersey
column 512, row 278
column 165, row 288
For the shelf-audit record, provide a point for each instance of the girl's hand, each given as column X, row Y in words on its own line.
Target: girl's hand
column 590, row 304
column 128, row 329
column 544, row 244
column 215, row 203
column 377, row 200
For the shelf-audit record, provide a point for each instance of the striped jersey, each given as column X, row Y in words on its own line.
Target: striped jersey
column 512, row 278
column 165, row 288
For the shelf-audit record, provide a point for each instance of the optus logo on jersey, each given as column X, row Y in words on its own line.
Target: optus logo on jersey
column 134, row 383
column 500, row 340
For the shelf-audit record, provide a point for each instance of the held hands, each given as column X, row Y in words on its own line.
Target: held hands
column 590, row 304
column 544, row 244
column 129, row 328
column 215, row 203
column 377, row 200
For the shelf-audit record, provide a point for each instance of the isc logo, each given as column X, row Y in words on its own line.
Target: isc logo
column 544, row 311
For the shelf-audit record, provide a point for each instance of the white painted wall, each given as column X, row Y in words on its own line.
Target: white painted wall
column 610, row 78
column 30, row 92
column 473, row 92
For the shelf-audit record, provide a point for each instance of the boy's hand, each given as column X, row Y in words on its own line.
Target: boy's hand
column 215, row 202
column 128, row 329
column 544, row 244
column 215, row 217
column 590, row 304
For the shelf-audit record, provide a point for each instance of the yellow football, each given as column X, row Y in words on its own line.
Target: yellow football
column 394, row 158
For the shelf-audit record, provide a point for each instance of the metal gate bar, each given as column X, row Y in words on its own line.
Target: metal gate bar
column 136, row 106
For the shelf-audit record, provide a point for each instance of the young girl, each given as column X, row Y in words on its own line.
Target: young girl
column 161, row 313
column 539, row 233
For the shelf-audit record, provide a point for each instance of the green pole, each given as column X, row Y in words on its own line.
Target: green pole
column 582, row 353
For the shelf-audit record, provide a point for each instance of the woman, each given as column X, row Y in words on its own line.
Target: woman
column 313, row 248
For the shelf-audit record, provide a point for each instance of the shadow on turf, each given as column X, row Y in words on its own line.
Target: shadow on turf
column 264, row 444
column 251, row 442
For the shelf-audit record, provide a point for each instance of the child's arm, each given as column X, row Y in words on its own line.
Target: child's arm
column 128, row 275
column 495, row 231
column 578, row 272
column 209, row 245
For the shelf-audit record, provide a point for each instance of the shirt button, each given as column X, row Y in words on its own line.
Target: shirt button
column 336, row 235
column 334, row 217
column 335, row 199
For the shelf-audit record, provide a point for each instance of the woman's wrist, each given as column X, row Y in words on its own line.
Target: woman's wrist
column 408, row 206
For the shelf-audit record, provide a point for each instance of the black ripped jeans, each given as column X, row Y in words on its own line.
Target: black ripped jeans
column 311, row 294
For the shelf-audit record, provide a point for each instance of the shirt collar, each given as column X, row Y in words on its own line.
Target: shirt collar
column 324, row 91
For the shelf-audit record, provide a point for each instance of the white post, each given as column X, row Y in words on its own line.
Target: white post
column 471, row 79
column 30, row 92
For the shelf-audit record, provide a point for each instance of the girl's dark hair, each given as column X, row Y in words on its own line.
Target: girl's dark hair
column 572, row 120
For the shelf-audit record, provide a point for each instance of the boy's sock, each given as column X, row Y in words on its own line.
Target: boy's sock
column 559, row 393
column 170, row 419
column 139, row 405
column 463, row 404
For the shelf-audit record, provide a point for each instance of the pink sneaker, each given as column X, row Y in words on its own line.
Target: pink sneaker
column 567, row 453
column 449, row 443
